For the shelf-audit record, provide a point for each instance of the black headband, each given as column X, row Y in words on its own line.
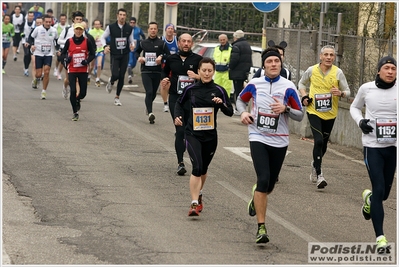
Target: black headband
column 269, row 54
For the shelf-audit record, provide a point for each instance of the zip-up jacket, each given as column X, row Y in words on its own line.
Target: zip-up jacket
column 151, row 48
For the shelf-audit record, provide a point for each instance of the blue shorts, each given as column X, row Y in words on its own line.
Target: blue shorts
column 6, row 45
column 41, row 61
column 101, row 54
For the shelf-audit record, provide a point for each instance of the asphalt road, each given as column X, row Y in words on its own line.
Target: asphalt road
column 103, row 190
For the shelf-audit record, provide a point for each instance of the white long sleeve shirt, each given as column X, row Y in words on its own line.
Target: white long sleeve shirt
column 381, row 110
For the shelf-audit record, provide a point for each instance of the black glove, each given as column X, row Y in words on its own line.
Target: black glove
column 366, row 128
column 84, row 62
column 308, row 98
column 22, row 34
column 66, row 61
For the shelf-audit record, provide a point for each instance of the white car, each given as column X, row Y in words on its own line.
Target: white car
column 206, row 50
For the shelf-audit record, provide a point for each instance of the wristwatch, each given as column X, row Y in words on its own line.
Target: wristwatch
column 287, row 109
column 342, row 94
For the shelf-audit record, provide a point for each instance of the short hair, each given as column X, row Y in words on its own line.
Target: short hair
column 77, row 14
column 121, row 10
column 97, row 20
column 153, row 22
column 327, row 47
column 63, row 15
column 45, row 16
column 207, row 60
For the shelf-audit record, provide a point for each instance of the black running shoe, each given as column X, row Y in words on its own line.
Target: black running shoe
column 181, row 169
column 261, row 235
column 75, row 117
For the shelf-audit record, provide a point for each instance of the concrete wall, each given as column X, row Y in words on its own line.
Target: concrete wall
column 345, row 131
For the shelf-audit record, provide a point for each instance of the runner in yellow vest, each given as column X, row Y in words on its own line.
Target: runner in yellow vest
column 327, row 83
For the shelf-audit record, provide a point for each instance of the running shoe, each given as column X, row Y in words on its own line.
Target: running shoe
column 366, row 206
column 313, row 174
column 26, row 73
column 64, row 92
column 78, row 104
column 181, row 169
column 382, row 244
column 108, row 88
column 98, row 83
column 193, row 210
column 251, row 204
column 117, row 102
column 200, row 205
column 55, row 72
column 59, row 77
column 261, row 235
column 43, row 95
column 75, row 117
column 151, row 118
column 321, row 182
column 15, row 58
column 129, row 78
column 34, row 83
column 166, row 108
column 3, row 71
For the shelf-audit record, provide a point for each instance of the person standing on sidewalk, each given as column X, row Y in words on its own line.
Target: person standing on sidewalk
column 180, row 70
column 196, row 111
column 153, row 49
column 221, row 55
column 120, row 45
column 78, row 52
column 327, row 83
column 43, row 49
column 98, row 64
column 275, row 101
column 379, row 138
column 138, row 35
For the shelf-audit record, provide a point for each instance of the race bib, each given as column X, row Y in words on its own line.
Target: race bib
column 98, row 43
column 386, row 130
column 45, row 48
column 120, row 42
column 182, row 82
column 150, row 59
column 267, row 120
column 323, row 102
column 203, row 119
column 6, row 38
column 77, row 59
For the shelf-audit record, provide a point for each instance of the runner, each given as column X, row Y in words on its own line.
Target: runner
column 275, row 100
column 120, row 45
column 197, row 109
column 154, row 49
column 138, row 35
column 30, row 40
column 98, row 64
column 18, row 20
column 180, row 70
column 28, row 28
column 43, row 50
column 78, row 52
column 379, row 138
column 60, row 26
column 7, row 34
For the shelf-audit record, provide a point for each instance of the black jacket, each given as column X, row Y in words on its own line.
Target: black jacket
column 149, row 45
column 124, row 33
column 240, row 60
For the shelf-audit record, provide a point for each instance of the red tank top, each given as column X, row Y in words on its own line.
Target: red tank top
column 78, row 53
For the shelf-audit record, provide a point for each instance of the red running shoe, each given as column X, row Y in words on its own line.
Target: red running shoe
column 200, row 206
column 193, row 210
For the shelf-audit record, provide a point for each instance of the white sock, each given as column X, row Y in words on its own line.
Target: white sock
column 43, row 91
column 379, row 237
column 194, row 202
column 200, row 192
column 97, row 79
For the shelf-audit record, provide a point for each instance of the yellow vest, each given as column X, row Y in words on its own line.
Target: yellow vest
column 324, row 104
column 222, row 58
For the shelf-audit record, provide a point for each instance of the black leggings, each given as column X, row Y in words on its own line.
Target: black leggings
column 321, row 130
column 180, row 147
column 151, row 82
column 238, row 86
column 267, row 162
column 82, row 80
column 16, row 39
column 27, row 56
column 381, row 166
column 201, row 154
column 118, row 69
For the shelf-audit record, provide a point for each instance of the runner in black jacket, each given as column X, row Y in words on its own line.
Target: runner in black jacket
column 205, row 98
column 154, row 49
column 179, row 71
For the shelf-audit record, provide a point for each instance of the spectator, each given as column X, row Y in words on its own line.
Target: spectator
column 221, row 55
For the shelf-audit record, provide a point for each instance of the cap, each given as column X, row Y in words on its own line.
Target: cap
column 386, row 60
column 78, row 25
column 238, row 34
column 49, row 10
column 133, row 18
column 168, row 25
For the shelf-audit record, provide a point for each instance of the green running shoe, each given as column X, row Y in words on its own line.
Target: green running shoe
column 382, row 244
column 366, row 207
column 251, row 205
column 261, row 235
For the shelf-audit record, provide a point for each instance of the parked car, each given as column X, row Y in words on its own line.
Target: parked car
column 206, row 50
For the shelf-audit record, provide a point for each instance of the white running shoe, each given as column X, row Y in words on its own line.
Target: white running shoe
column 117, row 102
column 108, row 88
column 43, row 95
column 34, row 83
column 166, row 108
column 65, row 91
column 59, row 77
column 55, row 72
column 313, row 174
column 321, row 182
column 26, row 73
